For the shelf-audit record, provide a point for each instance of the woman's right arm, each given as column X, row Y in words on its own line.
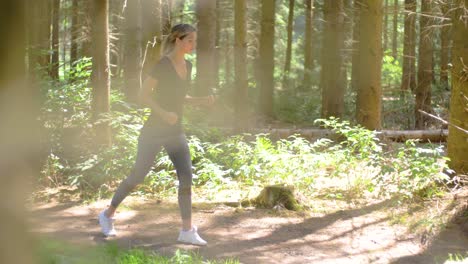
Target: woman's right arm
column 145, row 98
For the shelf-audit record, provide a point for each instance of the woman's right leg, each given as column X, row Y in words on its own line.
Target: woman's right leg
column 148, row 148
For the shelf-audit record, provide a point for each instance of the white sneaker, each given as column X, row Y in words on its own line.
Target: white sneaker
column 107, row 224
column 191, row 237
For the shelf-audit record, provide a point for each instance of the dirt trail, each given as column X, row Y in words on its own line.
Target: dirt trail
column 361, row 235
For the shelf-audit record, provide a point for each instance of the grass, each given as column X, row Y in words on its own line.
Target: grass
column 458, row 258
column 55, row 252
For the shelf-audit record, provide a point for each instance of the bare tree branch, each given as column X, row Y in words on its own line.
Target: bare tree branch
column 443, row 121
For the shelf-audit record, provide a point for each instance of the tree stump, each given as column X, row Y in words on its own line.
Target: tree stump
column 273, row 196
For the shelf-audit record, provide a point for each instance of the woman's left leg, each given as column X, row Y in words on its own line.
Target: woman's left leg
column 179, row 153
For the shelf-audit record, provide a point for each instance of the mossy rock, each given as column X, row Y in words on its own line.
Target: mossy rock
column 275, row 195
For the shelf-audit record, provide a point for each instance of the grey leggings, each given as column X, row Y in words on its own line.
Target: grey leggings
column 149, row 145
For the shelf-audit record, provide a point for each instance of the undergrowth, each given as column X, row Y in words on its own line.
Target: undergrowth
column 357, row 165
column 54, row 252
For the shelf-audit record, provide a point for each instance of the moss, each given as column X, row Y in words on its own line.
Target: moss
column 274, row 195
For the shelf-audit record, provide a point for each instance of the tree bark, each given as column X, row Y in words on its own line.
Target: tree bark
column 39, row 20
column 240, row 63
column 445, row 39
column 332, row 48
column 266, row 59
column 355, row 57
column 395, row 30
column 385, row 27
column 166, row 7
column 54, row 71
column 206, row 14
column 287, row 62
column 408, row 81
column 18, row 136
column 116, row 25
column 101, row 71
column 308, row 45
column 87, row 26
column 228, row 64
column 74, row 33
column 425, row 74
column 217, row 59
column 133, row 52
column 179, row 10
column 347, row 52
column 369, row 94
column 315, row 133
column 458, row 140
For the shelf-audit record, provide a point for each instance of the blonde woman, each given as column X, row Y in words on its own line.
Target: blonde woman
column 165, row 92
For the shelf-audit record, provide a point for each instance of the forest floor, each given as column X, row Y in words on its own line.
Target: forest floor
column 335, row 232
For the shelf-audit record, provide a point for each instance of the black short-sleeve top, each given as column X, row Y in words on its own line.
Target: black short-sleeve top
column 169, row 95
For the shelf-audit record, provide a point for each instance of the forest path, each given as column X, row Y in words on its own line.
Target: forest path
column 356, row 235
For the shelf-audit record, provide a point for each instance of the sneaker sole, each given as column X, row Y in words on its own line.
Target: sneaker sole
column 188, row 243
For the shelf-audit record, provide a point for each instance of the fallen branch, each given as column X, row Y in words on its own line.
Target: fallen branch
column 315, row 133
column 443, row 121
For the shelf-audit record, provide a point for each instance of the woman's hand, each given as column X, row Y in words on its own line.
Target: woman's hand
column 170, row 118
column 209, row 100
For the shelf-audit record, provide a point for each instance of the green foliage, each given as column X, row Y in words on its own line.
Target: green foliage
column 405, row 172
column 52, row 252
column 69, row 103
column 414, row 170
column 399, row 109
column 73, row 160
column 297, row 106
column 359, row 142
column 244, row 160
column 391, row 70
column 458, row 257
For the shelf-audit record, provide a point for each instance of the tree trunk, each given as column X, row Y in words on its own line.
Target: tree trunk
column 355, row 60
column 133, row 53
column 101, row 71
column 179, row 11
column 445, row 38
column 227, row 60
column 385, row 27
column 287, row 62
column 87, row 26
column 266, row 59
column 64, row 36
column 423, row 89
column 54, row 72
column 347, row 43
column 115, row 26
column 206, row 14
column 224, row 52
column 39, row 36
column 240, row 63
column 313, row 134
column 18, row 138
column 395, row 30
column 74, row 33
column 457, row 141
column 166, row 7
column 217, row 59
column 369, row 94
column 408, row 81
column 308, row 45
column 332, row 49
column 156, row 17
